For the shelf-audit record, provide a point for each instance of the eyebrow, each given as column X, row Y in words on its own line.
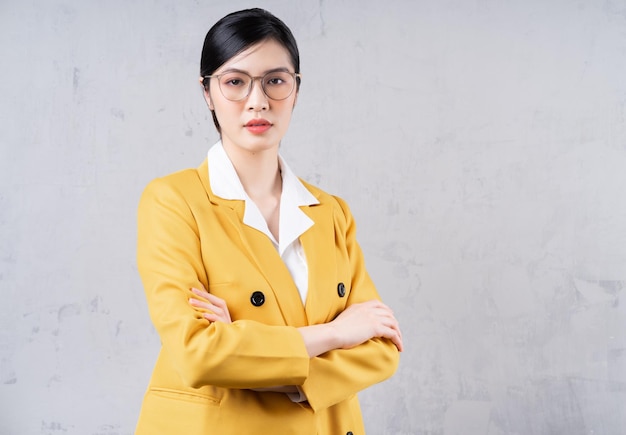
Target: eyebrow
column 230, row 70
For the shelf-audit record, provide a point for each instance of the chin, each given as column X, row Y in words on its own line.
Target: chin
column 255, row 144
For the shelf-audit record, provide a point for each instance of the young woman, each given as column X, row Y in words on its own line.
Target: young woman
column 257, row 287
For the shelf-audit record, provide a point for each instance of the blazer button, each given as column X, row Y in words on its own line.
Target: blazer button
column 341, row 290
column 257, row 298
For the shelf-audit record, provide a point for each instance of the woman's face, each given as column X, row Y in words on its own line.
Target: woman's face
column 255, row 123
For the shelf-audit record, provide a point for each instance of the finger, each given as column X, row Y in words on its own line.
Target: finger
column 211, row 298
column 207, row 306
column 389, row 328
column 202, row 293
column 221, row 303
column 396, row 339
column 215, row 300
column 398, row 342
column 212, row 317
column 198, row 303
column 211, row 312
column 396, row 327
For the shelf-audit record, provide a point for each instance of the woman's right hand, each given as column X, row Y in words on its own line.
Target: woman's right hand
column 363, row 321
column 213, row 309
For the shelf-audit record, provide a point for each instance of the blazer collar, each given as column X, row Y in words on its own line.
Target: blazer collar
column 225, row 184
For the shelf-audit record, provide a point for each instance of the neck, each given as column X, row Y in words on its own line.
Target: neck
column 258, row 171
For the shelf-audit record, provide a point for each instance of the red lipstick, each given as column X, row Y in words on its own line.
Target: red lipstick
column 258, row 125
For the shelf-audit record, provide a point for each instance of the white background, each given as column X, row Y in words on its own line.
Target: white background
column 480, row 143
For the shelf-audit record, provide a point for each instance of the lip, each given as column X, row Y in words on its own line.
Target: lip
column 258, row 125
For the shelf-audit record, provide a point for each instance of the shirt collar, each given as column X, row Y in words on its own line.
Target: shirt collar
column 293, row 221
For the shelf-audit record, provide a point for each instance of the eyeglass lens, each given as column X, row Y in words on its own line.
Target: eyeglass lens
column 276, row 85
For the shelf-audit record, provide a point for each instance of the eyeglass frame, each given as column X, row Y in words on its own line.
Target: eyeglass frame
column 295, row 76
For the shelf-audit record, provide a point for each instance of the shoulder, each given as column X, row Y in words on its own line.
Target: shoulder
column 174, row 181
column 173, row 188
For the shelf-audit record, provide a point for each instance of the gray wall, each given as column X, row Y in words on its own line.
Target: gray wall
column 481, row 145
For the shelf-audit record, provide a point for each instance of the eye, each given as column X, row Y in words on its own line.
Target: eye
column 274, row 81
column 234, row 81
column 278, row 79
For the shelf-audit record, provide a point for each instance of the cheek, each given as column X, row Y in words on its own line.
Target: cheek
column 286, row 108
column 229, row 116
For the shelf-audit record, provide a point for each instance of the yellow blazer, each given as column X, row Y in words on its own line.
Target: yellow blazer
column 201, row 384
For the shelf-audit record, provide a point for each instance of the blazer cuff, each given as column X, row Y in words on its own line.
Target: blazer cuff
column 297, row 397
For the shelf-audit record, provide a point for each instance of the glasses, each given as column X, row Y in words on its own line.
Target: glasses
column 237, row 85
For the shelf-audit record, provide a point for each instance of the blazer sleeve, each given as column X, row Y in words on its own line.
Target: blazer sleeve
column 243, row 354
column 338, row 374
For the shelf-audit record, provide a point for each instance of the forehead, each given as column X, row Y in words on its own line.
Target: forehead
column 258, row 58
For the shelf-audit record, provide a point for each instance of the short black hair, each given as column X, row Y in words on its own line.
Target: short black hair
column 237, row 32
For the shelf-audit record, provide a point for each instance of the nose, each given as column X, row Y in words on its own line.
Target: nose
column 257, row 100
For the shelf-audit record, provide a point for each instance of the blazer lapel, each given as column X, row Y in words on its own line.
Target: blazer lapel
column 260, row 250
column 276, row 274
column 319, row 245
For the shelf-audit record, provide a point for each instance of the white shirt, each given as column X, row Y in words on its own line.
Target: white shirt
column 293, row 222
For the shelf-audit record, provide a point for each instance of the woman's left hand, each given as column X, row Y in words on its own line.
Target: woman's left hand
column 216, row 308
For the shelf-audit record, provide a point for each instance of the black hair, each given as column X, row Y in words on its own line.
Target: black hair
column 237, row 32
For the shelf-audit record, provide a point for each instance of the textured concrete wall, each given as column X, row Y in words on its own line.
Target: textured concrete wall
column 480, row 143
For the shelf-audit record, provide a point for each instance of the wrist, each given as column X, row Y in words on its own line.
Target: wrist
column 319, row 339
column 332, row 332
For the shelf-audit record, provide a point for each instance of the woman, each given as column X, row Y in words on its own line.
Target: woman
column 268, row 320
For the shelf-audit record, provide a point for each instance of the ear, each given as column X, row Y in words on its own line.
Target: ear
column 207, row 95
